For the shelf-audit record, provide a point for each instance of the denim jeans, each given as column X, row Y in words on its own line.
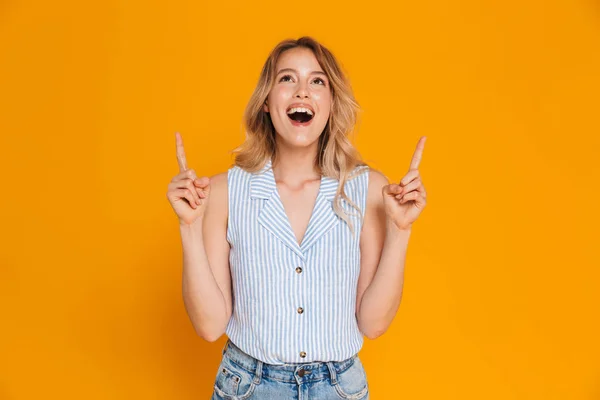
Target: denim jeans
column 241, row 376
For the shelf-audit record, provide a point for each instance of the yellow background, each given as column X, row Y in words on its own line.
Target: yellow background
column 502, row 290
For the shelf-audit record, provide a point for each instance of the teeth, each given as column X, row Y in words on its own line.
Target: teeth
column 300, row 109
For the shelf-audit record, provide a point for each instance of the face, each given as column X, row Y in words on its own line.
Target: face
column 300, row 82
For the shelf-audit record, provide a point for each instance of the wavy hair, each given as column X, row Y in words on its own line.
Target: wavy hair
column 336, row 156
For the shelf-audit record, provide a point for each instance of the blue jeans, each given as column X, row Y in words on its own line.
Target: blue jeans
column 241, row 376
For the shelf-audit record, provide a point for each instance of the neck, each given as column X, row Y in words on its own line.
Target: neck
column 296, row 164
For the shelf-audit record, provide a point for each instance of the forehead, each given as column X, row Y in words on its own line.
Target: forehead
column 298, row 58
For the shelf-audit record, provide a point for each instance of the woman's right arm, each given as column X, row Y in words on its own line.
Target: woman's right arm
column 206, row 281
column 201, row 204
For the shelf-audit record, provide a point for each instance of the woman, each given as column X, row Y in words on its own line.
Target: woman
column 298, row 250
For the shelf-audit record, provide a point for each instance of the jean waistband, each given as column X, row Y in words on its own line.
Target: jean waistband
column 292, row 372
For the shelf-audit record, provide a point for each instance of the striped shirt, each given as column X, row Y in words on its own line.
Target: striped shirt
column 293, row 303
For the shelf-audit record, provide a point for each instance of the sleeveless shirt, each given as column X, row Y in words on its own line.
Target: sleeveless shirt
column 293, row 303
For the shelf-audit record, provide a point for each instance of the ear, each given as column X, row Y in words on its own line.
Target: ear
column 265, row 107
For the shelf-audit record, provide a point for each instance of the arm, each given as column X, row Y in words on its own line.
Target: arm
column 206, row 281
column 383, row 252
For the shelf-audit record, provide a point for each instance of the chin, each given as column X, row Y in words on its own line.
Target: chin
column 301, row 136
column 299, row 139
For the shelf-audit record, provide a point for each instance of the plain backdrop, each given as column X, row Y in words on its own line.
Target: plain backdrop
column 501, row 295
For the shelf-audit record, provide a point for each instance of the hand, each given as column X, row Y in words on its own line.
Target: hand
column 187, row 193
column 404, row 202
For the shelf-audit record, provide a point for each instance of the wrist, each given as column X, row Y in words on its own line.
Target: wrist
column 194, row 225
column 391, row 227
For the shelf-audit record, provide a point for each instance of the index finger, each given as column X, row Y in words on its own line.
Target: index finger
column 416, row 159
column 180, row 152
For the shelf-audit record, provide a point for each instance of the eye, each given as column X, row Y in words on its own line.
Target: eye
column 286, row 78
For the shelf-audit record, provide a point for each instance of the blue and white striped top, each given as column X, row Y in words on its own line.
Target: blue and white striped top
column 293, row 303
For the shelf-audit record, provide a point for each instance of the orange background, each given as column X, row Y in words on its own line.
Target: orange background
column 502, row 290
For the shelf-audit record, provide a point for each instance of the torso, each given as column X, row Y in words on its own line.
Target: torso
column 290, row 249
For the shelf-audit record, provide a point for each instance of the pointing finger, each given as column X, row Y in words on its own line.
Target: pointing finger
column 180, row 152
column 416, row 159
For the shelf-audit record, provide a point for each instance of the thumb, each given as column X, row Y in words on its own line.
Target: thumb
column 202, row 183
column 391, row 189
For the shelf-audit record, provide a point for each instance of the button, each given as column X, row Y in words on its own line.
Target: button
column 302, row 354
column 299, row 270
column 300, row 310
column 303, row 372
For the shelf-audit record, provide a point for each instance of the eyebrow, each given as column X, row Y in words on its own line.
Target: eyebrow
column 293, row 70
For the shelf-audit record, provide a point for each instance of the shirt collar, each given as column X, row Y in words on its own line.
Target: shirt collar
column 262, row 184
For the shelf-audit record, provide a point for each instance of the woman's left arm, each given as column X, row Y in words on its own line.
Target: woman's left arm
column 391, row 211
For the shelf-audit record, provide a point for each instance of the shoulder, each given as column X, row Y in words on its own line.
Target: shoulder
column 219, row 181
column 377, row 180
column 218, row 192
column 368, row 181
column 358, row 178
column 373, row 176
column 236, row 175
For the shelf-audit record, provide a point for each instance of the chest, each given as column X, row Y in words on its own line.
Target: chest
column 274, row 227
column 298, row 205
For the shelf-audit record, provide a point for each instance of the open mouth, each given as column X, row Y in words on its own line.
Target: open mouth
column 300, row 116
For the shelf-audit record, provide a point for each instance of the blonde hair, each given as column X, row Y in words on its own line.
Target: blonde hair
column 336, row 156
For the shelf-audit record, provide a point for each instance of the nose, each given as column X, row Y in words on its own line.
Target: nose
column 301, row 92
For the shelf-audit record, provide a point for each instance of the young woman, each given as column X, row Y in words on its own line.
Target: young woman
column 298, row 249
